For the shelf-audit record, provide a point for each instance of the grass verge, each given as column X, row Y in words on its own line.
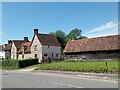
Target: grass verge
column 88, row 66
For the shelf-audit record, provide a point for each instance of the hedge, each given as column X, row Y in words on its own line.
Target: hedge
column 18, row 63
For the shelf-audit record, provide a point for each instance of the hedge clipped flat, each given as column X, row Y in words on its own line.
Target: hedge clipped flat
column 15, row 64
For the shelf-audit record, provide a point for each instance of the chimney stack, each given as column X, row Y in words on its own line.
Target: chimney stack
column 9, row 41
column 35, row 31
column 26, row 39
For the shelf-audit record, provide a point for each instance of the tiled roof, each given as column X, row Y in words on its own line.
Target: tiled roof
column 26, row 46
column 93, row 44
column 8, row 46
column 18, row 43
column 27, row 50
column 46, row 39
column 1, row 47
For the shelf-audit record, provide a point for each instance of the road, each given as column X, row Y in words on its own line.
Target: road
column 12, row 79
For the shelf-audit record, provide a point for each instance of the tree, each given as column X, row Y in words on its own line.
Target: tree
column 74, row 34
column 82, row 37
column 60, row 35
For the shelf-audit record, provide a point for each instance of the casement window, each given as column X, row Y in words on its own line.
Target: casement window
column 45, row 54
column 57, row 55
column 35, row 47
column 52, row 54
column 48, row 46
column 17, row 56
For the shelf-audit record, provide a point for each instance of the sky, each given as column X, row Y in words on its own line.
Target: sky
column 94, row 19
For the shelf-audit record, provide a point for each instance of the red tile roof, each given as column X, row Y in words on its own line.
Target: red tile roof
column 18, row 43
column 26, row 46
column 93, row 44
column 8, row 46
column 47, row 39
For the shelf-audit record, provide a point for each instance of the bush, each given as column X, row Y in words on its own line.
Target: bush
column 18, row 63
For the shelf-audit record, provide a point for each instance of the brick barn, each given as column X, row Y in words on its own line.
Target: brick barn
column 107, row 47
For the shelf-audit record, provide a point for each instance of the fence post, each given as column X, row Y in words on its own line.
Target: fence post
column 106, row 64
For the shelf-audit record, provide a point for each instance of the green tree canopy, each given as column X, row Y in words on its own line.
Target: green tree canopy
column 74, row 34
column 61, row 37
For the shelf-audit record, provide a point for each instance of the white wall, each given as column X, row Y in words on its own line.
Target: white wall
column 51, row 49
column 13, row 51
column 39, row 49
column 2, row 54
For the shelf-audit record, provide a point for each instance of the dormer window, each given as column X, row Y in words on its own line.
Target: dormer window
column 35, row 47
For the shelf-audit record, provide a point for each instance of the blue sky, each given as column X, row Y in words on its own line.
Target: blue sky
column 94, row 19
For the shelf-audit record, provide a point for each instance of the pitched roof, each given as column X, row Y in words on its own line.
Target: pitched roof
column 1, row 47
column 93, row 44
column 26, row 46
column 47, row 39
column 8, row 46
column 18, row 43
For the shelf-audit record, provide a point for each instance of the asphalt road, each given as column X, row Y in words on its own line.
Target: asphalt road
column 35, row 80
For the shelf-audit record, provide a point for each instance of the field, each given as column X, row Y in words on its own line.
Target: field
column 88, row 66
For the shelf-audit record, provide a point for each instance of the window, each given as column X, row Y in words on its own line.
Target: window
column 35, row 55
column 35, row 47
column 52, row 54
column 17, row 56
column 57, row 55
column 45, row 54
column 22, row 56
column 48, row 46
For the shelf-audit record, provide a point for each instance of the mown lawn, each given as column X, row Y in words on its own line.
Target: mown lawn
column 88, row 66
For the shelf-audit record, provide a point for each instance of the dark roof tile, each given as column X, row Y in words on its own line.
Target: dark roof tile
column 47, row 39
column 93, row 44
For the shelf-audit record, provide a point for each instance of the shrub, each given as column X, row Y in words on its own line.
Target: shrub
column 18, row 63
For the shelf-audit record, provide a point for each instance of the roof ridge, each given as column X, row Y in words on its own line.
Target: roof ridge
column 96, row 37
column 45, row 34
column 17, row 40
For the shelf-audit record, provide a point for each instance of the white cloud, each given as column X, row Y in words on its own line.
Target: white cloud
column 109, row 28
